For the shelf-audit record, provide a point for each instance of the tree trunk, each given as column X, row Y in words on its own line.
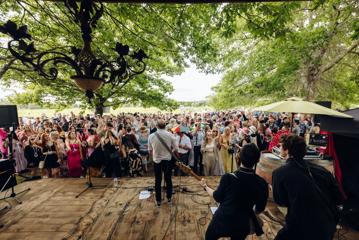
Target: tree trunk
column 99, row 109
column 311, row 79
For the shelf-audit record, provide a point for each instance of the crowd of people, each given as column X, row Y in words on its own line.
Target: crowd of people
column 213, row 143
column 65, row 145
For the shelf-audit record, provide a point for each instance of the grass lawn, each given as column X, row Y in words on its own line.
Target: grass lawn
column 50, row 112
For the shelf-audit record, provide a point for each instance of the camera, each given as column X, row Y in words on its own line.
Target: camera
column 231, row 149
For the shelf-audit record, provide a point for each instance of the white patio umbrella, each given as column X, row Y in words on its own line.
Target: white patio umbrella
column 297, row 105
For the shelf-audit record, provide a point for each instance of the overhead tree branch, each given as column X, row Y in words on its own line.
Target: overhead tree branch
column 6, row 67
column 340, row 57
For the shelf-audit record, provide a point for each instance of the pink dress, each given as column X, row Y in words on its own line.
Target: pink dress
column 3, row 136
column 74, row 160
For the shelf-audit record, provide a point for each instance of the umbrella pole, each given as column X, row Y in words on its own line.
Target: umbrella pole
column 292, row 122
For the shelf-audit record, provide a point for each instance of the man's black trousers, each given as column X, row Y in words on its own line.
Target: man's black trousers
column 164, row 166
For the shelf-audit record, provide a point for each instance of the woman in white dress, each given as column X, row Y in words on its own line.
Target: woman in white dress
column 208, row 150
column 218, row 167
column 18, row 150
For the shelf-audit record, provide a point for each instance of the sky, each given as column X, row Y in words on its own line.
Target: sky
column 191, row 85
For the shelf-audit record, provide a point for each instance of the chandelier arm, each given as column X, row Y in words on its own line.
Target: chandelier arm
column 117, row 71
column 125, row 83
column 36, row 62
column 106, row 73
column 27, row 61
column 100, row 72
column 60, row 59
column 119, row 88
column 140, row 67
column 122, row 79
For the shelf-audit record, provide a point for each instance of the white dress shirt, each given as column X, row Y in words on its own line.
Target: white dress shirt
column 198, row 138
column 184, row 140
column 159, row 151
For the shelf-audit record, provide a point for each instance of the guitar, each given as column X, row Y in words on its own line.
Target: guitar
column 180, row 165
column 188, row 170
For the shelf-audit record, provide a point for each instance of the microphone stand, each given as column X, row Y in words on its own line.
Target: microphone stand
column 89, row 185
column 12, row 176
column 232, row 163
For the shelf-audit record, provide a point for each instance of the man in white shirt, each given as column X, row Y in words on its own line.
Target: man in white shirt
column 198, row 137
column 184, row 146
column 162, row 158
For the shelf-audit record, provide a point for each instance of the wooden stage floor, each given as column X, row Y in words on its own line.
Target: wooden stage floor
column 51, row 211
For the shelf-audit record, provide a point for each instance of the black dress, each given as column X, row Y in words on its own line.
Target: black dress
column 112, row 160
column 96, row 159
column 51, row 157
column 33, row 156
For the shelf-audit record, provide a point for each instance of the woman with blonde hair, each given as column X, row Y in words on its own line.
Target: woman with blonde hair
column 49, row 150
column 226, row 156
column 33, row 155
column 60, row 145
column 218, row 167
column 110, row 145
column 208, row 150
column 143, row 141
column 74, row 155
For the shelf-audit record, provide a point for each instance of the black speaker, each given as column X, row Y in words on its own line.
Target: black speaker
column 327, row 104
column 6, row 169
column 8, row 116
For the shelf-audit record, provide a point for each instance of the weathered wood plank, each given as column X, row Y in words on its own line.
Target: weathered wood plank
column 51, row 211
column 36, row 227
column 110, row 214
column 32, row 235
column 50, row 220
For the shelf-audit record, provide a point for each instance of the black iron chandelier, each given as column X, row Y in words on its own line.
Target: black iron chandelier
column 89, row 72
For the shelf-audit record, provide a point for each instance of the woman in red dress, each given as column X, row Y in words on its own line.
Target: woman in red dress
column 74, row 155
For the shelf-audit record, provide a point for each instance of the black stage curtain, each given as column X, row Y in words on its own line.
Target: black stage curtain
column 347, row 149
